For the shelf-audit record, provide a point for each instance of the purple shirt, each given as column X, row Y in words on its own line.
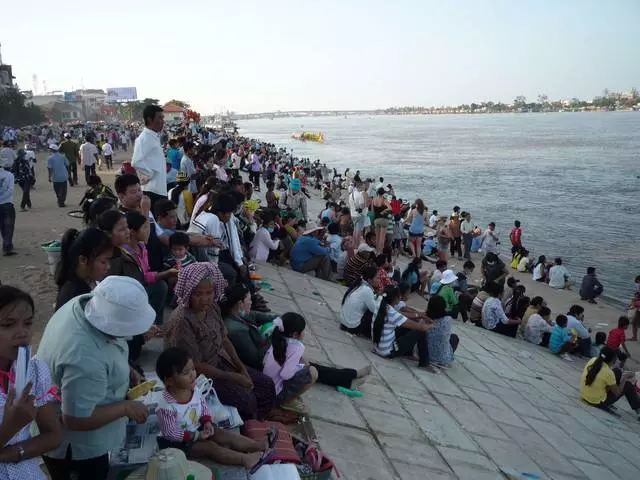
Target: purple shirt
column 256, row 166
column 292, row 364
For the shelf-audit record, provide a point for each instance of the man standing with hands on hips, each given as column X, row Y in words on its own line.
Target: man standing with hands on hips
column 148, row 157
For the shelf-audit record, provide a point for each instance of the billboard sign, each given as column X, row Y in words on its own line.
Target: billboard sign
column 69, row 96
column 121, row 94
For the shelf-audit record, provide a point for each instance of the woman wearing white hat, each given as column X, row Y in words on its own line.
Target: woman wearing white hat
column 446, row 291
column 84, row 345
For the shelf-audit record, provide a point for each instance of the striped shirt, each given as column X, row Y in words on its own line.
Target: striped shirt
column 393, row 320
column 180, row 422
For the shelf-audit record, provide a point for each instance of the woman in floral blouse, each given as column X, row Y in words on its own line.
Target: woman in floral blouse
column 20, row 450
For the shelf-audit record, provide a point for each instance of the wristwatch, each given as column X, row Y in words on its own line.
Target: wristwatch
column 20, row 453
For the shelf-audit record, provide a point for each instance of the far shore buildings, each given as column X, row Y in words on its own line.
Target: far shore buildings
column 78, row 105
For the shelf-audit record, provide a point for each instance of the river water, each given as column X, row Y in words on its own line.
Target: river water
column 572, row 179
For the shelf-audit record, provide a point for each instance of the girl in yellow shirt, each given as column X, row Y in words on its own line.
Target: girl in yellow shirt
column 600, row 384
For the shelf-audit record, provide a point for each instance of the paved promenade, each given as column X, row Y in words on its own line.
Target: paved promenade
column 505, row 405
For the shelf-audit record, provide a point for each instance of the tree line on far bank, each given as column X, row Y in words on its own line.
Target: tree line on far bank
column 607, row 101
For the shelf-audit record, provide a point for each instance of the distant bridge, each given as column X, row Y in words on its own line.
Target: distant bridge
column 306, row 113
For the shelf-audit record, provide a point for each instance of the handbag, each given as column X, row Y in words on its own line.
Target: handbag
column 284, row 452
column 321, row 465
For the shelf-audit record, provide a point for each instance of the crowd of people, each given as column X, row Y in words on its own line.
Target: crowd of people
column 182, row 229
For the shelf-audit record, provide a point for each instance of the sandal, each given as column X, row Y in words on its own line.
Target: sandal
column 296, row 405
column 264, row 460
column 272, row 437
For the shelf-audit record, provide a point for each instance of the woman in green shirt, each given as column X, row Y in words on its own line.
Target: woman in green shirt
column 446, row 291
column 243, row 325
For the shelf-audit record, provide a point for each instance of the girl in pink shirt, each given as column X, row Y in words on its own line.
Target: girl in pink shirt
column 291, row 375
column 283, row 361
column 153, row 281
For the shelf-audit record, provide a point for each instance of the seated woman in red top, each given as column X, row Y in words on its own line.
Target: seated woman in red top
column 616, row 340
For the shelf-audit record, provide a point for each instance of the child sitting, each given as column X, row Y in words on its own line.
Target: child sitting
column 523, row 264
column 616, row 340
column 429, row 247
column 561, row 341
column 335, row 245
column 538, row 328
column 185, row 419
column 388, row 323
column 96, row 190
column 262, row 244
column 600, row 340
column 383, row 279
column 179, row 256
column 283, row 361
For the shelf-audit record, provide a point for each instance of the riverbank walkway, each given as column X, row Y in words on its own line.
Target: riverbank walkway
column 507, row 407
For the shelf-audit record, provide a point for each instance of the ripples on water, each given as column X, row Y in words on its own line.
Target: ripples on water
column 570, row 178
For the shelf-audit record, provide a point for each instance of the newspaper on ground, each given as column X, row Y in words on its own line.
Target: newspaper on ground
column 141, row 440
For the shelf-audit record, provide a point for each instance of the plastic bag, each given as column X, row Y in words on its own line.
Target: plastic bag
column 224, row 416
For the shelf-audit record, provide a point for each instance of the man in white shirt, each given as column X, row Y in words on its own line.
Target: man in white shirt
column 148, row 157
column 88, row 157
column 187, row 166
column 490, row 240
column 433, row 219
column 357, row 204
column 575, row 321
column 466, row 227
column 559, row 275
column 7, row 155
column 124, row 140
column 107, row 151
column 235, row 164
column 225, row 248
column 7, row 210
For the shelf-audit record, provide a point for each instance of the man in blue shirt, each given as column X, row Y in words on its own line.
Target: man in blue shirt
column 309, row 253
column 174, row 155
column 58, row 167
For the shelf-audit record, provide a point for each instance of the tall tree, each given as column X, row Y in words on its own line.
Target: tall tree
column 131, row 111
column 520, row 101
column 15, row 111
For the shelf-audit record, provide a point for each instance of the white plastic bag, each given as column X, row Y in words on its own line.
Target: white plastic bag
column 281, row 471
column 224, row 416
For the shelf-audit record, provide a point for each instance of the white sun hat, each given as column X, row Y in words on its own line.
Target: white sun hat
column 171, row 464
column 120, row 307
column 448, row 277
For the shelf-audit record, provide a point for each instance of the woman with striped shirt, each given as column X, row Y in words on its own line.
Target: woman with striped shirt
column 394, row 335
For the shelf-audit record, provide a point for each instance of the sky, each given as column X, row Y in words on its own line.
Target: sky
column 266, row 55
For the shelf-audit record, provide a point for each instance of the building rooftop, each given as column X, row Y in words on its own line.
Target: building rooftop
column 172, row 108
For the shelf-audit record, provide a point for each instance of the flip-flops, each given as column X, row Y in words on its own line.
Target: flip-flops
column 264, row 460
column 296, row 405
column 272, row 437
